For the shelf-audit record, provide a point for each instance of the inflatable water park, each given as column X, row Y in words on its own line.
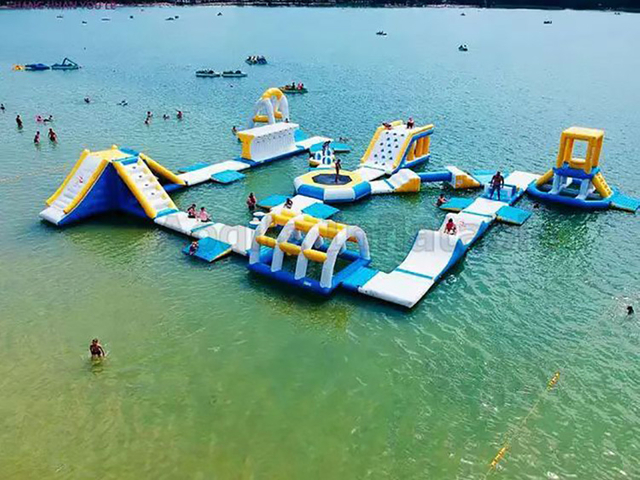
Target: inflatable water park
column 292, row 238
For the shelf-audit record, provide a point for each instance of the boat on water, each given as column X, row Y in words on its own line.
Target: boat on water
column 233, row 74
column 463, row 48
column 256, row 60
column 381, row 33
column 36, row 67
column 547, row 22
column 293, row 90
column 67, row 64
column 207, row 74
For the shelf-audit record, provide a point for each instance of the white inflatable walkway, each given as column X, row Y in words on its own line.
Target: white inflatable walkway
column 434, row 252
column 238, row 237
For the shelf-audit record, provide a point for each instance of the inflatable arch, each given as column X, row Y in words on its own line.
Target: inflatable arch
column 270, row 107
column 292, row 241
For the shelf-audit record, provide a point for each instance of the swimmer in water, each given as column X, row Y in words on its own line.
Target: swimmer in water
column 19, row 121
column 36, row 139
column 96, row 349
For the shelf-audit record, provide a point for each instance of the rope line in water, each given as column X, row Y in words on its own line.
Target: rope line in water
column 551, row 384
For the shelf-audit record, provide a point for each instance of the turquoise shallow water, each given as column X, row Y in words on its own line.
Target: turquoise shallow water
column 214, row 373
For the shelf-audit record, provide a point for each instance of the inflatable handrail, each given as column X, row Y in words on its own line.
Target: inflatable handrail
column 162, row 171
column 87, row 186
column 66, row 181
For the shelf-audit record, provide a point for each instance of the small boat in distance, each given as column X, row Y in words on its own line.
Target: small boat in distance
column 288, row 89
column 256, row 60
column 67, row 64
column 233, row 74
column 382, row 33
column 547, row 22
column 207, row 74
column 36, row 67
column 463, row 48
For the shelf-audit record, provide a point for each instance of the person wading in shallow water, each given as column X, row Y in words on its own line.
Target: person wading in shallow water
column 96, row 349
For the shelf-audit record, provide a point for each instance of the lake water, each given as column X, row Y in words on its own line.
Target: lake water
column 215, row 373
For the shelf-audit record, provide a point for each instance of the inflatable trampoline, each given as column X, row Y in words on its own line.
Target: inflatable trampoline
column 324, row 185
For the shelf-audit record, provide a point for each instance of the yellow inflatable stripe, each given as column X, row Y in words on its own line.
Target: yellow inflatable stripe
column 545, row 178
column 162, row 171
column 266, row 241
column 146, row 206
column 73, row 171
column 289, row 248
column 315, row 255
column 372, row 143
column 87, row 186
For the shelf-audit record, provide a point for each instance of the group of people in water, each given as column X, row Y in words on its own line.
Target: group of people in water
column 53, row 136
column 149, row 117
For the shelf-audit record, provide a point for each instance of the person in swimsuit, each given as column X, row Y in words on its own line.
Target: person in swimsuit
column 234, row 130
column 630, row 310
column 450, row 228
column 96, row 349
column 441, row 200
column 36, row 139
column 251, row 202
column 53, row 136
column 410, row 123
column 497, row 182
column 203, row 216
column 288, row 204
column 19, row 121
column 191, row 211
column 2, row 107
column 179, row 115
column 193, row 248
column 338, row 165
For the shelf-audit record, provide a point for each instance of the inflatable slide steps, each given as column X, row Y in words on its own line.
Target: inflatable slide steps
column 204, row 172
column 144, row 186
column 434, row 252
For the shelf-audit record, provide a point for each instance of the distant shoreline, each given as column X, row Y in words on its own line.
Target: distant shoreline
column 106, row 5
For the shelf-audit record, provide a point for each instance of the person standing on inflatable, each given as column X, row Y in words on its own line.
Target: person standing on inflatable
column 338, row 165
column 497, row 182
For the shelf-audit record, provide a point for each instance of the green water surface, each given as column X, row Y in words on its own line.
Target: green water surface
column 215, row 373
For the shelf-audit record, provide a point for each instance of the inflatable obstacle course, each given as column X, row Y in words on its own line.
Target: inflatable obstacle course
column 307, row 239
column 579, row 182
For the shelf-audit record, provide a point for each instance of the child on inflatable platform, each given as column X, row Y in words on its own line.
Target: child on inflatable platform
column 288, row 204
column 191, row 211
column 450, row 228
column 203, row 216
column 441, row 200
